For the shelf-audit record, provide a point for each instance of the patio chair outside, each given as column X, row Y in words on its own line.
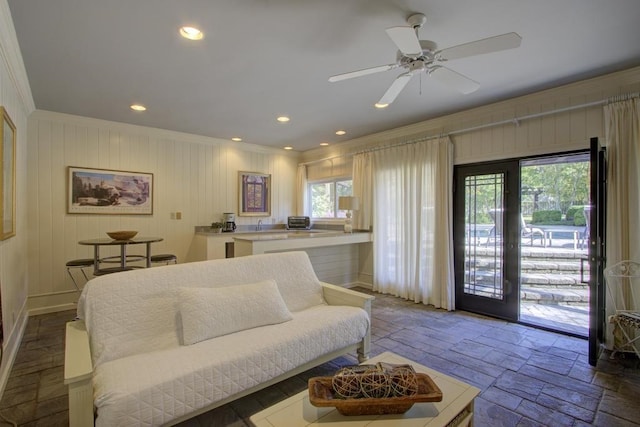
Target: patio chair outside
column 531, row 233
column 527, row 232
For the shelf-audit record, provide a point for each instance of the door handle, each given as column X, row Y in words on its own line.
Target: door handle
column 582, row 260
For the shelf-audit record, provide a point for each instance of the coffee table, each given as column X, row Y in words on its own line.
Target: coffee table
column 456, row 406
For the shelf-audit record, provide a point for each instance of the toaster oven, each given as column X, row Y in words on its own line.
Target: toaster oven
column 298, row 223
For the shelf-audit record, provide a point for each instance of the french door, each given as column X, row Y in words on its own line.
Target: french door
column 488, row 226
column 486, row 213
column 597, row 246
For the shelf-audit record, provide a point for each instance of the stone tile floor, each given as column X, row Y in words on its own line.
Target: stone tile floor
column 528, row 377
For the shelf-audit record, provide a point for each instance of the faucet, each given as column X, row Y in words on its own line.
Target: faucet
column 259, row 226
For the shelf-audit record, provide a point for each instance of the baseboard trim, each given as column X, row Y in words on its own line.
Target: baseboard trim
column 358, row 285
column 53, row 309
column 52, row 302
column 10, row 349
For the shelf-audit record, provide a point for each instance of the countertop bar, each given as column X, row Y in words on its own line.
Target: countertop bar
column 256, row 243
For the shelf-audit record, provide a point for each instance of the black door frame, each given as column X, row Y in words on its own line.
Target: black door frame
column 597, row 241
column 597, row 249
column 509, row 306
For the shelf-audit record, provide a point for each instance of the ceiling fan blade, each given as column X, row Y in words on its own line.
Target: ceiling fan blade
column 453, row 79
column 396, row 87
column 406, row 40
column 479, row 47
column 363, row 72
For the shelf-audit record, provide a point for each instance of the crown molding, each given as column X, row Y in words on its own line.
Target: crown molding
column 12, row 58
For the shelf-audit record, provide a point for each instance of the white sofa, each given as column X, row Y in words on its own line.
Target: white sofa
column 158, row 346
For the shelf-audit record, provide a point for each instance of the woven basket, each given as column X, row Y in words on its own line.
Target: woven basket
column 321, row 394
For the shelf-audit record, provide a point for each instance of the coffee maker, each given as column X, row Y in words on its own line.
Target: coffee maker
column 229, row 221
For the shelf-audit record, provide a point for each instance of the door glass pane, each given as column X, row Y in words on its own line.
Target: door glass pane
column 554, row 274
column 484, row 262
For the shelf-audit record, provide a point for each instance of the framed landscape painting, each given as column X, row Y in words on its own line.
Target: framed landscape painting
column 104, row 191
column 7, row 176
column 255, row 194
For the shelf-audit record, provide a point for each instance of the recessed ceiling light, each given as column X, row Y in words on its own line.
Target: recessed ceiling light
column 191, row 33
column 324, row 144
column 288, row 147
column 138, row 107
column 381, row 105
column 283, row 119
column 236, row 139
column 341, row 132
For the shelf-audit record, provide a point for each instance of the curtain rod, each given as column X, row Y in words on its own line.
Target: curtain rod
column 516, row 121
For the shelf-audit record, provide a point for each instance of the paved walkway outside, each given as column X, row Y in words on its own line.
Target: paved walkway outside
column 573, row 319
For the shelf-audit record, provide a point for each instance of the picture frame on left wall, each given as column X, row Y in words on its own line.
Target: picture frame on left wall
column 110, row 192
column 7, row 176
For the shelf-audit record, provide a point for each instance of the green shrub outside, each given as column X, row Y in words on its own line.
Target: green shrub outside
column 547, row 217
column 575, row 215
column 574, row 211
column 579, row 220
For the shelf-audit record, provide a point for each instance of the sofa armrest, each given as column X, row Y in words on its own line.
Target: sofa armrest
column 337, row 295
column 78, row 372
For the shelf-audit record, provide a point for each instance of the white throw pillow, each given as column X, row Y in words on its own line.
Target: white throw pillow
column 210, row 312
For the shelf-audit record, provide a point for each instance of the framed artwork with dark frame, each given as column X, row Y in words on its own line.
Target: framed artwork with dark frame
column 105, row 191
column 254, row 198
column 7, row 176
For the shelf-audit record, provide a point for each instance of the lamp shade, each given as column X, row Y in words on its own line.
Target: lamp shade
column 348, row 203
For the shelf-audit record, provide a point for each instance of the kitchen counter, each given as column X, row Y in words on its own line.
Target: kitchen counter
column 285, row 234
column 337, row 257
column 263, row 242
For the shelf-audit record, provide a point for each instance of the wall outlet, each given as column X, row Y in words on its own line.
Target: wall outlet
column 173, row 215
column 178, row 215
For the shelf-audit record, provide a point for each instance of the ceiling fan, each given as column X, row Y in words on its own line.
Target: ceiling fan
column 416, row 56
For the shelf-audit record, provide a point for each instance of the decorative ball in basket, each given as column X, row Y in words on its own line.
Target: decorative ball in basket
column 122, row 235
column 373, row 389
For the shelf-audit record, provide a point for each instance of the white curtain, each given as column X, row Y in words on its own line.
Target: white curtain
column 412, row 230
column 301, row 184
column 622, row 136
column 362, row 181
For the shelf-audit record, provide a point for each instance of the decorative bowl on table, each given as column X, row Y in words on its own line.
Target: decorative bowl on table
column 387, row 389
column 122, row 235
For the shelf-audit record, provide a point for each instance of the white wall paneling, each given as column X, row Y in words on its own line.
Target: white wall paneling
column 16, row 98
column 194, row 175
column 336, row 264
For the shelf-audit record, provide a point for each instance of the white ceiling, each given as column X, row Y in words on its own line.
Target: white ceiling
column 263, row 58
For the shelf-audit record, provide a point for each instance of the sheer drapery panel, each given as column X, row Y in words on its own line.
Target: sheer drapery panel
column 622, row 136
column 412, row 227
column 362, row 188
column 303, row 194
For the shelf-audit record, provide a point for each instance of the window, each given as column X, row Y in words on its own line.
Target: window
column 324, row 197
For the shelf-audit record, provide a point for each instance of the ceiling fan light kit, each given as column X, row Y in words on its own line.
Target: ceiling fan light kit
column 416, row 56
